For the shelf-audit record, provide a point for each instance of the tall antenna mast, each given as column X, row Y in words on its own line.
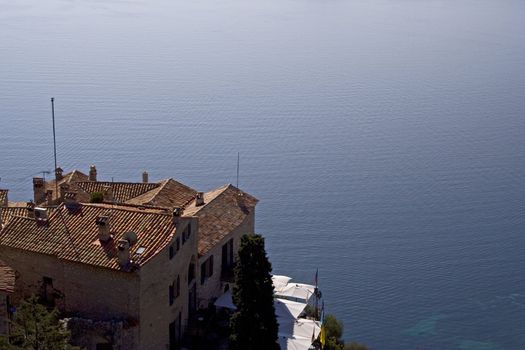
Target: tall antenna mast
column 54, row 143
column 238, row 160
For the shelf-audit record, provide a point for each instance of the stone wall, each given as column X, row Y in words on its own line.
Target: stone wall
column 213, row 287
column 4, row 320
column 78, row 289
column 156, row 314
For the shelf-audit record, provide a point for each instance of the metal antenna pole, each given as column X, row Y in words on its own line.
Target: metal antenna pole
column 238, row 160
column 54, row 143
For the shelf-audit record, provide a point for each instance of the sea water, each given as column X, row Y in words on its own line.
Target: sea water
column 385, row 139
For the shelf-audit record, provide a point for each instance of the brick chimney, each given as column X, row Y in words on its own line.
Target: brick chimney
column 39, row 192
column 145, row 177
column 123, row 252
column 102, row 222
column 108, row 194
column 4, row 203
column 30, row 207
column 177, row 213
column 49, row 197
column 199, row 199
column 71, row 202
column 92, row 173
column 58, row 173
column 64, row 188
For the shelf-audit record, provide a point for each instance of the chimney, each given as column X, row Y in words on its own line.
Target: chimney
column 177, row 213
column 145, row 177
column 30, row 209
column 102, row 222
column 64, row 188
column 92, row 173
column 123, row 252
column 39, row 192
column 4, row 203
column 108, row 194
column 40, row 215
column 58, row 173
column 199, row 199
column 70, row 201
column 49, row 197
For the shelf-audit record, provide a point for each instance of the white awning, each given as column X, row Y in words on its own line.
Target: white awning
column 288, row 309
column 294, row 343
column 297, row 291
column 280, row 282
column 285, row 309
column 301, row 328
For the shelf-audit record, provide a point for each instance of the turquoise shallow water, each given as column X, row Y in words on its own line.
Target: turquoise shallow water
column 384, row 139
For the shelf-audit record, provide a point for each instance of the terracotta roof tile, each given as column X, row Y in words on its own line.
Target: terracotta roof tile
column 7, row 278
column 121, row 191
column 3, row 197
column 69, row 178
column 74, row 236
column 169, row 194
column 221, row 213
column 13, row 210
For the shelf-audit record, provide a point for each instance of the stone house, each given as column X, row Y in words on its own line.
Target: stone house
column 7, row 284
column 129, row 272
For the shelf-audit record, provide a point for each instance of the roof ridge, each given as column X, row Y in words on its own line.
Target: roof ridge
column 128, row 207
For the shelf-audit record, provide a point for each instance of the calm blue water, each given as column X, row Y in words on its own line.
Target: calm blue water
column 384, row 138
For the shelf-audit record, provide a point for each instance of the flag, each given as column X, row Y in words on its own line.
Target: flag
column 322, row 337
column 316, row 276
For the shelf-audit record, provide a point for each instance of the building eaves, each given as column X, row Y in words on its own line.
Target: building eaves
column 224, row 209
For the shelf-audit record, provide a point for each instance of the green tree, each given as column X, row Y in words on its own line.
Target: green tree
column 254, row 324
column 334, row 332
column 97, row 197
column 36, row 328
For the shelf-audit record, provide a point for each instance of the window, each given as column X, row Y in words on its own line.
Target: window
column 227, row 255
column 174, row 247
column 174, row 290
column 48, row 291
column 206, row 269
column 186, row 233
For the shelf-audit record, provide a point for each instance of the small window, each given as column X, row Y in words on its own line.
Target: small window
column 206, row 269
column 171, row 294
column 174, row 248
column 186, row 233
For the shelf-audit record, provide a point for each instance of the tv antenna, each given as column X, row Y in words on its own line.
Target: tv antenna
column 238, row 161
column 54, row 142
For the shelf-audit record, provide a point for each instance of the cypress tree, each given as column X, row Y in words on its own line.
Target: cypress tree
column 254, row 324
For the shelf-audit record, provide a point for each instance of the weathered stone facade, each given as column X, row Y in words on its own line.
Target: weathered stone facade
column 221, row 279
column 143, row 305
column 7, row 284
